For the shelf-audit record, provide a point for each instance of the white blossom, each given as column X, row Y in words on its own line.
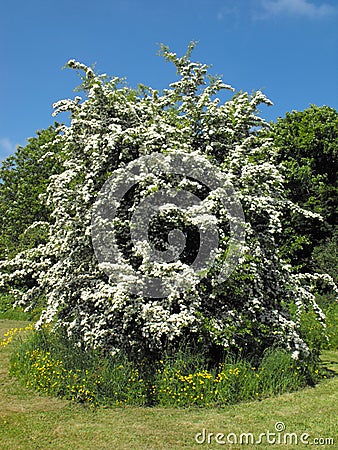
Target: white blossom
column 114, row 125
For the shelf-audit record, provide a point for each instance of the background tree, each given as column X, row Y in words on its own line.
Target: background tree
column 308, row 148
column 24, row 177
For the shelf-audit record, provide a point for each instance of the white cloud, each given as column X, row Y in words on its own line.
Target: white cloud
column 300, row 8
column 228, row 8
column 7, row 147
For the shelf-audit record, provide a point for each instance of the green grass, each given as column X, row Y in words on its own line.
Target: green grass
column 30, row 421
column 50, row 363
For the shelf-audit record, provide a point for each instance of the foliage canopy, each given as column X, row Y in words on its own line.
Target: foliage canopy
column 24, row 177
column 115, row 126
column 308, row 148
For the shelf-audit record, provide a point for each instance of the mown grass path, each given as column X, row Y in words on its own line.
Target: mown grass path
column 29, row 421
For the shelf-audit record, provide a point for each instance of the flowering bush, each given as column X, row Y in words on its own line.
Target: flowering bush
column 102, row 301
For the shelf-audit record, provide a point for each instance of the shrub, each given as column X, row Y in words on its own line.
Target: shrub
column 187, row 168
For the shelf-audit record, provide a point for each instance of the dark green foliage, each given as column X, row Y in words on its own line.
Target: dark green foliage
column 325, row 256
column 308, row 149
column 24, row 176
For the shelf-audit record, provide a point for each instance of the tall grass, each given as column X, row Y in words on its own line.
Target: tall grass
column 51, row 364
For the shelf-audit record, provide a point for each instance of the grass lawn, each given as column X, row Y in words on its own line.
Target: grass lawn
column 29, row 421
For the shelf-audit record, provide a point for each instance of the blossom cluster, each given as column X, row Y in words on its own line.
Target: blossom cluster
column 115, row 125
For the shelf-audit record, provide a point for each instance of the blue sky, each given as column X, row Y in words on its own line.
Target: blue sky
column 287, row 48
